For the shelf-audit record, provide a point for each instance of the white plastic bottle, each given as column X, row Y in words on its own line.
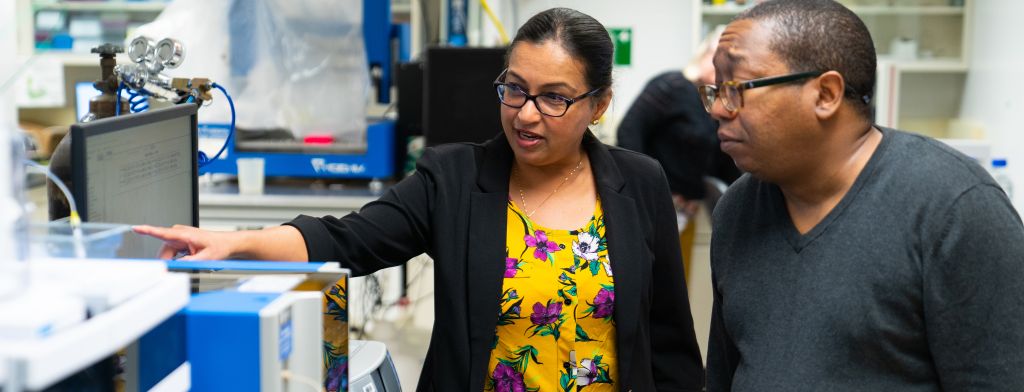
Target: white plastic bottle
column 1002, row 176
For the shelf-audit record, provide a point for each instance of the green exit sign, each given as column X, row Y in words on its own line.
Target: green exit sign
column 622, row 38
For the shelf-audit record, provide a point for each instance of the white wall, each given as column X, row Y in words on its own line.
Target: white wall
column 8, row 64
column 993, row 94
column 8, row 118
column 662, row 41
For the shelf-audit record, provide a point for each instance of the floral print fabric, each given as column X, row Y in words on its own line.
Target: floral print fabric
column 556, row 330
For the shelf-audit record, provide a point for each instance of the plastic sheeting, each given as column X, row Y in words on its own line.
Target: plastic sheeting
column 293, row 64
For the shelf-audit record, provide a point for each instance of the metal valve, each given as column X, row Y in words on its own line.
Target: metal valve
column 146, row 75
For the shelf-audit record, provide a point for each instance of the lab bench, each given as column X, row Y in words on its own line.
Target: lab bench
column 221, row 207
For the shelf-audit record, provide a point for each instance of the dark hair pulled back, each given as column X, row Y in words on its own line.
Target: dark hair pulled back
column 582, row 36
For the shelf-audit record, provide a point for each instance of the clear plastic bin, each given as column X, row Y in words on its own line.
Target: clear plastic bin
column 100, row 240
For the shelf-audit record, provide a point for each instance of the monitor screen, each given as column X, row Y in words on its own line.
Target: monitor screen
column 85, row 91
column 137, row 169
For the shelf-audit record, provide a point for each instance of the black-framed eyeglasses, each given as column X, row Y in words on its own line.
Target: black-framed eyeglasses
column 731, row 92
column 548, row 104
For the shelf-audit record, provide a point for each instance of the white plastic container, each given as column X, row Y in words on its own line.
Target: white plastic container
column 1002, row 176
column 55, row 239
column 250, row 176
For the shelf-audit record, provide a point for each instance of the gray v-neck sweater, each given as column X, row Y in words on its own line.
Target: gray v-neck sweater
column 913, row 282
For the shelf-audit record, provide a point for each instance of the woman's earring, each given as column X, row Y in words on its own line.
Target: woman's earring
column 594, row 122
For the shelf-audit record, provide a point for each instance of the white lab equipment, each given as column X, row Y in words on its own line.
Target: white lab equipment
column 372, row 369
column 13, row 217
column 121, row 301
column 247, row 331
column 242, row 341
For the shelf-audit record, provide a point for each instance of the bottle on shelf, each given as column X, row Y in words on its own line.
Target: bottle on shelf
column 1002, row 176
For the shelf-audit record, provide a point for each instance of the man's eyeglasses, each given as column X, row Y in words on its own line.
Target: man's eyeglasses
column 548, row 104
column 731, row 92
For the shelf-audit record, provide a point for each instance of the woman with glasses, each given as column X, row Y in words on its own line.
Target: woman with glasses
column 556, row 259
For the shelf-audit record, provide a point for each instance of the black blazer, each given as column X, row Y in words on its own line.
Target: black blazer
column 450, row 208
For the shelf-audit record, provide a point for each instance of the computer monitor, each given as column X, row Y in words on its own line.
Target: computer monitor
column 137, row 169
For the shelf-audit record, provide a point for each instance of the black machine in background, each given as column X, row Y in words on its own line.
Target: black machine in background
column 447, row 97
column 410, row 103
column 459, row 101
column 409, row 82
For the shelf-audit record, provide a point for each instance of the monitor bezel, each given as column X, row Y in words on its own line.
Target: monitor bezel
column 80, row 133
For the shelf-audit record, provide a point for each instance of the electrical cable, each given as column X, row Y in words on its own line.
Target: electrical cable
column 413, row 300
column 137, row 101
column 374, row 310
column 74, row 220
column 117, row 100
column 203, row 158
column 494, row 19
column 372, row 303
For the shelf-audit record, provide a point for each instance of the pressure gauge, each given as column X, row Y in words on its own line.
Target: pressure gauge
column 140, row 49
column 170, row 52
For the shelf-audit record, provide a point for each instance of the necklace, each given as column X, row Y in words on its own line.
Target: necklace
column 522, row 195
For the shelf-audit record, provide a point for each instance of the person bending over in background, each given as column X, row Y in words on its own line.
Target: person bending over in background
column 557, row 263
column 668, row 122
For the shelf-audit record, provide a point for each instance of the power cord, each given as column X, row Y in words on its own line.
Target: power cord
column 74, row 220
column 372, row 303
column 137, row 102
column 494, row 19
column 375, row 310
column 205, row 160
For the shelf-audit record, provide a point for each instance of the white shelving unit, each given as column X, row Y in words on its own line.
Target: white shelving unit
column 36, row 364
column 730, row 9
column 907, row 10
column 27, row 10
column 921, row 94
column 102, row 6
column 77, row 59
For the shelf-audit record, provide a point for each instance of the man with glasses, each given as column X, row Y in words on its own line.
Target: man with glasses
column 851, row 257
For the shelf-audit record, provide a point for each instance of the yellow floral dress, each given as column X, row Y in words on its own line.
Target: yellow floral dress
column 555, row 331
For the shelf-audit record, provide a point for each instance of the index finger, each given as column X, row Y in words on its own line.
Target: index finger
column 162, row 233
